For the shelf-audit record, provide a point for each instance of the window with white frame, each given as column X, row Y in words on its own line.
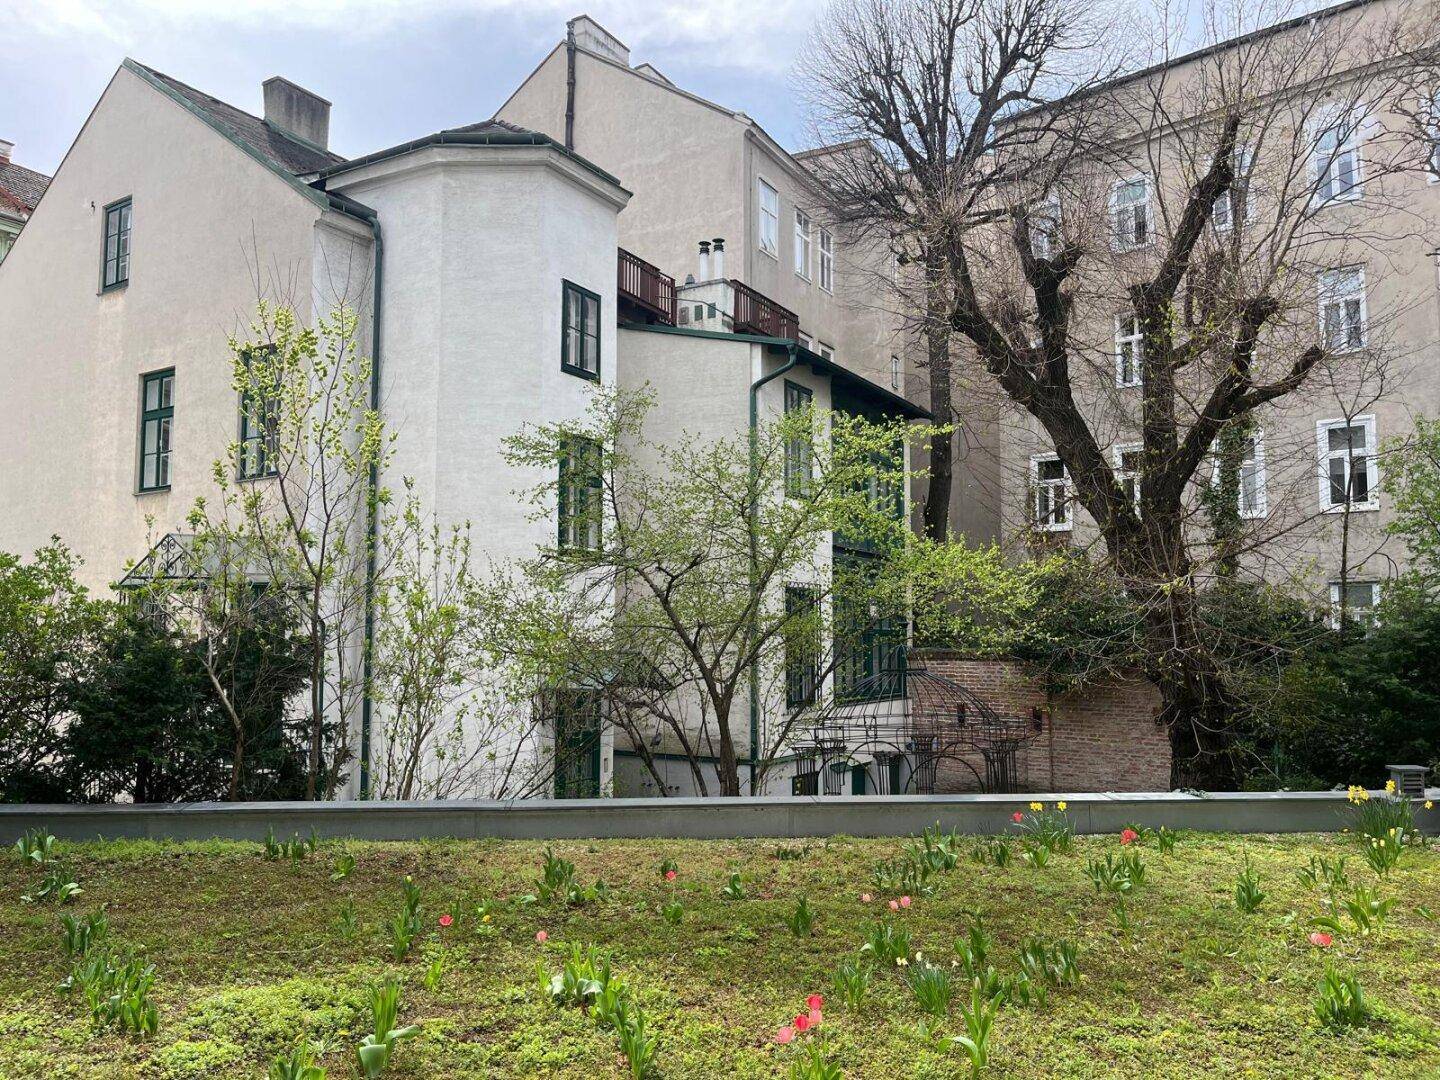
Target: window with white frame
column 894, row 373
column 802, row 243
column 1254, row 503
column 1127, row 472
column 1129, row 350
column 1052, row 500
column 827, row 352
column 1342, row 308
column 827, row 261
column 1347, row 464
column 769, row 203
column 1130, row 214
column 1336, row 161
column 1234, row 205
column 1045, row 228
column 1357, row 600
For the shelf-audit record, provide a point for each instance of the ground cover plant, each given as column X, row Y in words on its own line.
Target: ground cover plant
column 210, row 960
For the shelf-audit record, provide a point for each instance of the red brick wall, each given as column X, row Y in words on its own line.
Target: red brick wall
column 1099, row 738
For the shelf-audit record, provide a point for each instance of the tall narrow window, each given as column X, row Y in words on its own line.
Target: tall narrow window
column 1130, row 214
column 827, row 352
column 1347, row 464
column 797, row 448
column 894, row 373
column 581, row 495
column 1253, row 500
column 259, row 427
column 157, row 414
column 1336, row 160
column 580, row 340
column 115, row 269
column 1127, row 473
column 802, row 645
column 769, row 218
column 1045, row 228
column 1129, row 350
column 577, row 715
column 1052, row 502
column 1234, row 205
column 802, row 243
column 1342, row 308
column 827, row 261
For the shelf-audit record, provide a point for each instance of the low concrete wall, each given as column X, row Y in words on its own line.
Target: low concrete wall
column 710, row 819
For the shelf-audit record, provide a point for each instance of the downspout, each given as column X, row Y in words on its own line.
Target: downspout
column 790, row 362
column 372, row 523
column 569, row 86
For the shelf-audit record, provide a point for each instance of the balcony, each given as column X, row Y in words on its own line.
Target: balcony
column 756, row 313
column 645, row 290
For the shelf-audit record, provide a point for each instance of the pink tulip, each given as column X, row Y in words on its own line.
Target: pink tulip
column 669, row 875
column 1017, row 817
column 814, row 1018
column 446, row 920
column 541, row 936
column 865, row 898
column 802, row 1022
column 814, row 1001
column 904, row 901
column 785, row 1035
column 894, row 905
column 1321, row 940
column 1128, row 836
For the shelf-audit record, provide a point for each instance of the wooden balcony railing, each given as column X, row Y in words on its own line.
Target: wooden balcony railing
column 643, row 285
column 756, row 313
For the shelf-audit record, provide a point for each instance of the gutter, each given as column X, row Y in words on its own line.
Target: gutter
column 792, row 359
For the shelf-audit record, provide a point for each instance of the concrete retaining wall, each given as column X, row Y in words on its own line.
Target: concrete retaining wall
column 1274, row 812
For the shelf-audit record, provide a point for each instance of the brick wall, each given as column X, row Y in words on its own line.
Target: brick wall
column 1099, row 738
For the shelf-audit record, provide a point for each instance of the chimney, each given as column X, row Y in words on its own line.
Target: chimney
column 593, row 37
column 5, row 148
column 296, row 111
column 719, row 244
column 704, row 260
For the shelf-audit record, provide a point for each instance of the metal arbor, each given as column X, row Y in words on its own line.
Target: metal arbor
column 899, row 724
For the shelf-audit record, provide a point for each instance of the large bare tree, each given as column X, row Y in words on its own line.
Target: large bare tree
column 1208, row 211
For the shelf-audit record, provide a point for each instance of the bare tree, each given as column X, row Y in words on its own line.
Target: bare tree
column 1163, row 257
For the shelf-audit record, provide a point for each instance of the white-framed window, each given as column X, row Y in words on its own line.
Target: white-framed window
column 1127, row 471
column 768, row 201
column 1336, row 160
column 826, row 352
column 1342, row 308
column 1045, row 228
column 1129, row 350
column 1052, row 495
column 805, row 341
column 1348, row 475
column 1357, row 599
column 802, row 243
column 1251, row 496
column 827, row 261
column 894, row 373
column 1234, row 205
column 1131, row 226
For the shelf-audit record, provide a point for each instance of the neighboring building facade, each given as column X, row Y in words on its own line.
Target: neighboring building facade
column 20, row 190
column 1311, row 507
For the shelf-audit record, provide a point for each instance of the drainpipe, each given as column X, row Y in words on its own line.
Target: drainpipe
column 570, row 86
column 791, row 360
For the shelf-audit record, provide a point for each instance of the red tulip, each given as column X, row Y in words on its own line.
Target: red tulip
column 1321, row 940
column 904, row 901
column 669, row 875
column 814, row 1017
column 1017, row 817
column 785, row 1035
column 446, row 920
column 1128, row 836
column 541, row 936
column 814, row 1001
column 802, row 1021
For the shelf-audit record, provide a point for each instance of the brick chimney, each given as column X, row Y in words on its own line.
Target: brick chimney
column 297, row 111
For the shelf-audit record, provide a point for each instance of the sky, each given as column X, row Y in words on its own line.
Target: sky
column 394, row 71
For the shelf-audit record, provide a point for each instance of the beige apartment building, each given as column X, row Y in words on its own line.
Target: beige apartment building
column 1336, row 202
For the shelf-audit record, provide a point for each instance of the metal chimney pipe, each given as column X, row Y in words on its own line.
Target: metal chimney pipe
column 704, row 260
column 719, row 243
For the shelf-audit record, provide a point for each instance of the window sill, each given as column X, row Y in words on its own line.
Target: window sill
column 119, row 286
column 581, row 373
column 766, row 251
column 1354, row 508
column 152, row 491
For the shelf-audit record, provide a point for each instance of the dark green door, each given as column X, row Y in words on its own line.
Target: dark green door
column 577, row 745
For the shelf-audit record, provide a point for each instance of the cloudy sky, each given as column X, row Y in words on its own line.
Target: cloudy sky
column 393, row 70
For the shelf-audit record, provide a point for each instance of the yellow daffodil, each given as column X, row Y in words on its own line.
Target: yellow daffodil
column 1061, row 805
column 1037, row 806
column 1429, row 805
column 1389, row 787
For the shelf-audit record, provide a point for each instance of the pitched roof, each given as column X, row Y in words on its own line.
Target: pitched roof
column 20, row 188
column 278, row 148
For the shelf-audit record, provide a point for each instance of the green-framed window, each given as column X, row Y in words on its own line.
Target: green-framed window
column 115, row 257
column 802, row 645
column 868, row 643
column 259, row 430
column 798, row 464
column 157, row 416
column 580, row 339
column 581, row 494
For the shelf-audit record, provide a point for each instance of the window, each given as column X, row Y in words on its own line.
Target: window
column 580, row 339
column 1234, row 205
column 826, row 352
column 115, row 270
column 797, row 449
column 827, row 261
column 1130, row 214
column 1347, row 466
column 1336, row 160
column 802, row 243
column 1432, row 125
column 1253, row 500
column 1359, row 601
column 157, row 414
column 869, row 642
column 802, row 645
column 1127, row 472
column 769, row 200
column 894, row 373
column 805, row 341
column 1045, row 229
column 259, row 430
column 1129, row 350
column 1342, row 308
column 1052, row 503
column 581, row 497
column 576, row 715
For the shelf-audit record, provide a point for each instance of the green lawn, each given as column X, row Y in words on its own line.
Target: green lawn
column 249, row 956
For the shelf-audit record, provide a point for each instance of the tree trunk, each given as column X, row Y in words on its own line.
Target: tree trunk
column 941, row 444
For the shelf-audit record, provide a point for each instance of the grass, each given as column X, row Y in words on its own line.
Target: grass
column 249, row 957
